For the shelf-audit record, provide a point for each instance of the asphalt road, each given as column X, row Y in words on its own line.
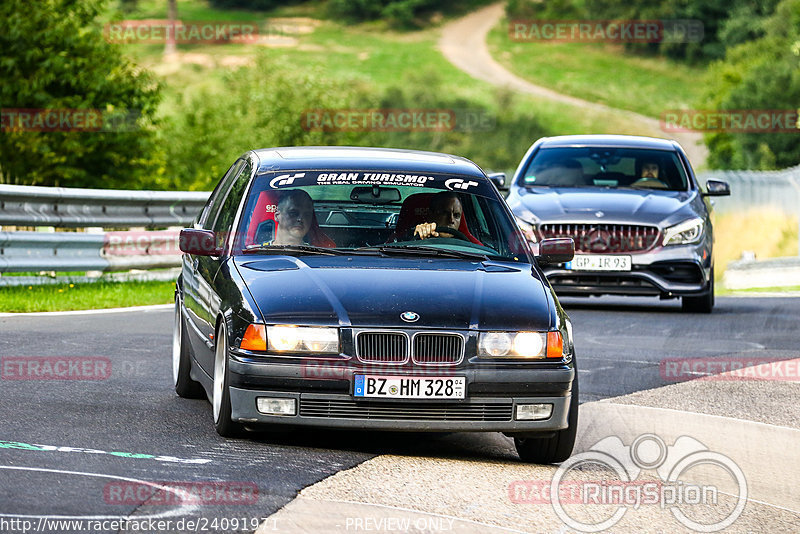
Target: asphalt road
column 64, row 444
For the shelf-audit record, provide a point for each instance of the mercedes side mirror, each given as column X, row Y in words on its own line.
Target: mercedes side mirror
column 717, row 188
column 498, row 179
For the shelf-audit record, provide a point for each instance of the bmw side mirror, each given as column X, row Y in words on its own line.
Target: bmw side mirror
column 199, row 242
column 498, row 179
column 556, row 250
column 717, row 188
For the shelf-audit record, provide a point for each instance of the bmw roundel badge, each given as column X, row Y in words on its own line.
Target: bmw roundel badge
column 409, row 316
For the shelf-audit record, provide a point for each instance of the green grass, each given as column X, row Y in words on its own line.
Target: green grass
column 65, row 297
column 721, row 291
column 357, row 53
column 196, row 10
column 601, row 72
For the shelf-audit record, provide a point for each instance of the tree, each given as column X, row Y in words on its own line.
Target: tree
column 53, row 56
column 763, row 74
column 170, row 47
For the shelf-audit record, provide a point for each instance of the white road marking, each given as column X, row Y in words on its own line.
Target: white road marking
column 184, row 509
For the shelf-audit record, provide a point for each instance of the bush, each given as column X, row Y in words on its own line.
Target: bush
column 263, row 106
column 402, row 13
column 53, row 57
column 758, row 75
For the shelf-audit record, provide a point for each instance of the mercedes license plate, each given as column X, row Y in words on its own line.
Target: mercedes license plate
column 599, row 262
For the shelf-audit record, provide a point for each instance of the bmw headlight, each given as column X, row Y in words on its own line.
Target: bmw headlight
column 520, row 345
column 685, row 233
column 309, row 339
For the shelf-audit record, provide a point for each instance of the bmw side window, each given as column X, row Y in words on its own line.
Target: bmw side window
column 212, row 208
column 231, row 204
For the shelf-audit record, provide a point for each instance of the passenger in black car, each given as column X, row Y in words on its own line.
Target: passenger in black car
column 294, row 215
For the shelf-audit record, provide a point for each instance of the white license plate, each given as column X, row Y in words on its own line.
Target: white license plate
column 599, row 262
column 410, row 387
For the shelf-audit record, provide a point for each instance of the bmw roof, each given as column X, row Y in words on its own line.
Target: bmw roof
column 350, row 158
column 622, row 141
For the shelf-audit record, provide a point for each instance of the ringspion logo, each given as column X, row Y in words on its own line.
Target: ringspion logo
column 622, row 490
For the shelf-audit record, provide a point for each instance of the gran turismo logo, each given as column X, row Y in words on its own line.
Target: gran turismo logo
column 458, row 183
column 284, row 179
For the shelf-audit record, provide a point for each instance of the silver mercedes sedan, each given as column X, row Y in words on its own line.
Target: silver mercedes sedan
column 633, row 206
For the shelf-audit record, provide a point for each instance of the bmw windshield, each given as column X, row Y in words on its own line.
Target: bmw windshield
column 364, row 212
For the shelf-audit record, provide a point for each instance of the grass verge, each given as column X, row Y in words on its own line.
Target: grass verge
column 723, row 292
column 766, row 233
column 96, row 295
column 366, row 54
column 600, row 72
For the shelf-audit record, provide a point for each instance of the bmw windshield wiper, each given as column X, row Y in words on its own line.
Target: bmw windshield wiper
column 305, row 249
column 416, row 250
column 289, row 249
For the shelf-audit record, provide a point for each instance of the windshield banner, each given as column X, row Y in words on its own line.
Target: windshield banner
column 458, row 184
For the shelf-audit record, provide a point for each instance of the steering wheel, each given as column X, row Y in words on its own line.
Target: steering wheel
column 650, row 183
column 442, row 229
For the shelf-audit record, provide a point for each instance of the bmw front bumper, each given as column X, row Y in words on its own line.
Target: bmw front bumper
column 491, row 401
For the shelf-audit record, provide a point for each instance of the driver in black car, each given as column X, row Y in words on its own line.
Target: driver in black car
column 445, row 212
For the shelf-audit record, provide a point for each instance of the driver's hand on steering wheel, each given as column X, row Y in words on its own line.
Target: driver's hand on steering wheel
column 426, row 230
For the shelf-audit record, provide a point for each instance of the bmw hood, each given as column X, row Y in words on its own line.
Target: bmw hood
column 570, row 204
column 364, row 291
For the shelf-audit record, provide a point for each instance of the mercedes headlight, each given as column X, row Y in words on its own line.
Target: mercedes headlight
column 685, row 233
column 528, row 229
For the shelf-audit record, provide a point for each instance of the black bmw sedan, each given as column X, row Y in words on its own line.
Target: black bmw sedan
column 635, row 209
column 372, row 288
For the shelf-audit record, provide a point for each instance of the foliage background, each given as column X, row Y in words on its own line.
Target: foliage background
column 53, row 55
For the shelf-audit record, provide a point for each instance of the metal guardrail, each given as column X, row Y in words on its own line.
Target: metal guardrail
column 772, row 272
column 61, row 207
column 778, row 190
column 77, row 208
column 73, row 251
column 771, row 190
